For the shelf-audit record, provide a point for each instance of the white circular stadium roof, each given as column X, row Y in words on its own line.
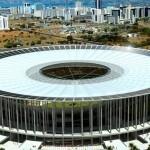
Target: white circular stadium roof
column 19, row 73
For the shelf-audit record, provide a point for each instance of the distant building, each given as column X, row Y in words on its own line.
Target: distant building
column 120, row 15
column 115, row 16
column 78, row 4
column 147, row 12
column 97, row 15
column 98, row 4
column 78, row 7
column 5, row 11
column 27, row 9
column 39, row 6
column 39, row 10
column 55, row 12
column 4, row 23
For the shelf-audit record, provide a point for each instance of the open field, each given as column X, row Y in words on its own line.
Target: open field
column 34, row 32
column 25, row 39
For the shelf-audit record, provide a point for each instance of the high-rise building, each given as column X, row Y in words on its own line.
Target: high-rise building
column 116, row 15
column 78, row 4
column 147, row 11
column 98, row 4
column 78, row 7
column 98, row 14
column 27, row 8
column 4, row 23
column 38, row 6
column 39, row 10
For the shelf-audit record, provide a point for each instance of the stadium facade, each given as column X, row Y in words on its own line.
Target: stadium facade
column 74, row 94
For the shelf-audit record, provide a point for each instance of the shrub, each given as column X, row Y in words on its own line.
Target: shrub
column 10, row 44
column 110, row 38
column 22, row 26
column 90, row 32
column 32, row 43
column 70, row 38
column 145, row 31
column 43, row 38
column 63, row 42
column 38, row 42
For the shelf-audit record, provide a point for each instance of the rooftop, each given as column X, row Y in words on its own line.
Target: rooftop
column 129, row 72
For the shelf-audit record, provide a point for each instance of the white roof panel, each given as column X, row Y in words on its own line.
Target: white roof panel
column 135, row 76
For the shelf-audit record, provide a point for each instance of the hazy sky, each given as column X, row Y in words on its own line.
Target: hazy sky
column 71, row 2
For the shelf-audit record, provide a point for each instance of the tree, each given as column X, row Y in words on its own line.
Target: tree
column 10, row 44
column 148, row 147
column 146, row 19
column 38, row 42
column 43, row 38
column 22, row 26
column 90, row 32
column 32, row 43
column 145, row 31
column 70, row 38
column 10, row 29
column 109, row 148
column 132, row 147
column 106, row 30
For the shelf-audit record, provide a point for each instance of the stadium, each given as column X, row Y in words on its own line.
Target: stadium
column 74, row 94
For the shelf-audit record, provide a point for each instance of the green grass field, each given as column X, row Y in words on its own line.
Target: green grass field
column 63, row 104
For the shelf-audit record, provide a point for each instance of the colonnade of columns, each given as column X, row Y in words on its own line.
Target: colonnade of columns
column 71, row 119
